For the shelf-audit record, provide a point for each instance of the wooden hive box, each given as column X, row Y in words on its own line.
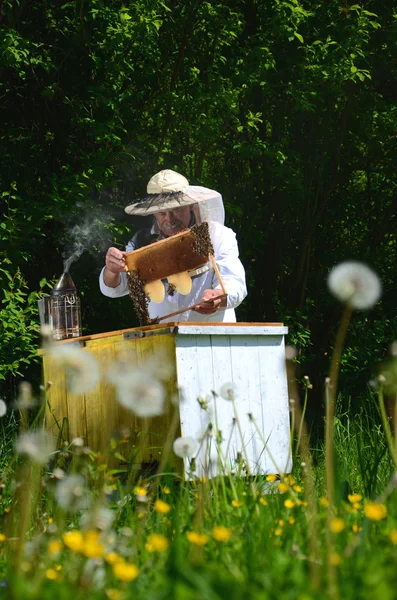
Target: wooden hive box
column 204, row 357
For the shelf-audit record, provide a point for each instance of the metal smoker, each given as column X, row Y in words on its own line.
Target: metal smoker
column 64, row 309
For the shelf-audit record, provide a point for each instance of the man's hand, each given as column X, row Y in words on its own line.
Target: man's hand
column 210, row 302
column 115, row 264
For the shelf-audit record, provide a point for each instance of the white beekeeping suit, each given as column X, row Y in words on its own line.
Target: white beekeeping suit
column 206, row 206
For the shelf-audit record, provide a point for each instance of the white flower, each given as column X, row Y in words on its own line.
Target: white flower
column 185, row 447
column 25, row 398
column 70, row 493
column 100, row 518
column 355, row 284
column 228, row 391
column 37, row 445
column 3, row 408
column 141, row 393
column 81, row 368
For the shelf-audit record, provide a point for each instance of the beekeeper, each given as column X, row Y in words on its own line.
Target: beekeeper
column 176, row 205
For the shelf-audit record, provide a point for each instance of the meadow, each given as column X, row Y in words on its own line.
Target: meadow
column 82, row 524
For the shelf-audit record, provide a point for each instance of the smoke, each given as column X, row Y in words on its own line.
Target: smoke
column 92, row 234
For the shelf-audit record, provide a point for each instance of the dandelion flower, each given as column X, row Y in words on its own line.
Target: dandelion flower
column 236, row 503
column 354, row 498
column 220, row 533
column 113, row 594
column 393, row 536
column 157, row 543
column 161, row 507
column 70, row 493
column 291, row 521
column 375, row 511
column 73, row 540
column 335, row 559
column 54, row 547
column 51, row 574
column 185, row 447
column 289, row 503
column 3, row 408
column 141, row 393
column 278, row 532
column 112, row 558
column 283, row 487
column 355, row 284
column 81, row 368
column 337, row 525
column 263, row 501
column 324, row 501
column 198, row 539
column 92, row 546
column 125, row 571
column 298, row 489
column 271, row 477
column 2, row 538
column 36, row 445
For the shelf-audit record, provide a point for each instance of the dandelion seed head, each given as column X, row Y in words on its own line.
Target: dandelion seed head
column 290, row 353
column 355, row 284
column 3, row 408
column 81, row 368
column 71, row 493
column 141, row 393
column 25, row 399
column 185, row 447
column 36, row 445
column 228, row 391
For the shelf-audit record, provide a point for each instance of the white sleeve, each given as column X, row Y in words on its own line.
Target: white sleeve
column 230, row 267
column 114, row 292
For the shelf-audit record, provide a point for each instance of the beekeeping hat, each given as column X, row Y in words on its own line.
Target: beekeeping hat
column 168, row 190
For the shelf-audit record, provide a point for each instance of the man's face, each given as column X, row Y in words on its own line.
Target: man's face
column 174, row 221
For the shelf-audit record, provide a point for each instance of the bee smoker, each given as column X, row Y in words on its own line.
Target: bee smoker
column 64, row 309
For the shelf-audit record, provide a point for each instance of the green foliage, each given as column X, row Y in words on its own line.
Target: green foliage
column 19, row 326
column 286, row 107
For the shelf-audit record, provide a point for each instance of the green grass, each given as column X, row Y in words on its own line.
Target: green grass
column 267, row 555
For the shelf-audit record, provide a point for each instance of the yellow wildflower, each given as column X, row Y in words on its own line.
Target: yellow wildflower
column 54, row 547
column 289, row 480
column 51, row 574
column 291, row 520
column 220, row 533
column 353, row 498
column 140, row 491
column 125, row 571
column 271, row 477
column 298, row 489
column 157, row 543
column 198, row 539
column 324, row 501
column 58, row 567
column 50, row 520
column 236, row 503
column 112, row 558
column 166, row 490
column 278, row 532
column 263, row 501
column 2, row 538
column 289, row 503
column 375, row 511
column 113, row 594
column 92, row 547
column 356, row 528
column 393, row 536
column 73, row 540
column 337, row 525
column 335, row 559
column 283, row 487
column 162, row 507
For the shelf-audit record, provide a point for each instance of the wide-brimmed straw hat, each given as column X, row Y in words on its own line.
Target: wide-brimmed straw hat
column 168, row 190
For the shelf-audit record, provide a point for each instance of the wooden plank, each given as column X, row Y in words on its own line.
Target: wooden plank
column 189, row 329
column 121, row 332
column 57, row 407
